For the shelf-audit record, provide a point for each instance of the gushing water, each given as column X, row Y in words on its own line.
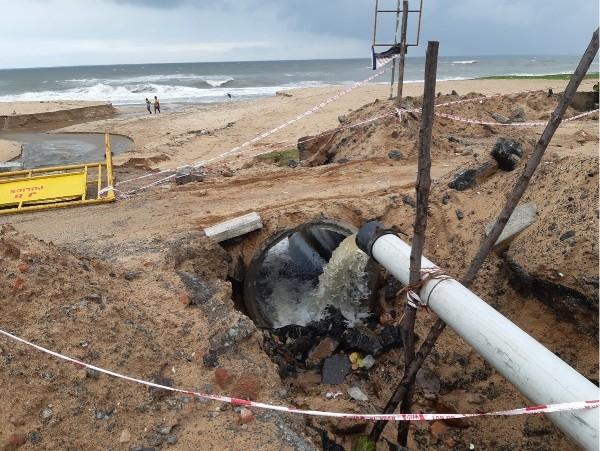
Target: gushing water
column 297, row 297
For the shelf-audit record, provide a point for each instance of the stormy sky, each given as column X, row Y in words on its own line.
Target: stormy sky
column 37, row 33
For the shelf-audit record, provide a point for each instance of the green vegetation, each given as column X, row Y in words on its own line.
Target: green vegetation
column 593, row 75
column 279, row 157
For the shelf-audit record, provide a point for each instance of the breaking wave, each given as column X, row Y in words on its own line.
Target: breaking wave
column 465, row 62
column 136, row 93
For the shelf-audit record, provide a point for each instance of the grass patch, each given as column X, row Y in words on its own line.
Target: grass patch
column 279, row 157
column 593, row 75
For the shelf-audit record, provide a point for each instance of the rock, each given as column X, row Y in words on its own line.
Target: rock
column 125, row 436
column 15, row 441
column 34, row 437
column 362, row 339
column 227, row 172
column 459, row 214
column 188, row 174
column 500, row 118
column 199, row 291
column 164, row 430
column 324, row 349
column 246, row 416
column 335, row 369
column 131, row 275
column 408, row 200
column 438, row 429
column 428, row 381
column 229, row 338
column 210, row 359
column 357, row 394
column 446, row 199
column 292, row 164
column 247, row 386
column 395, row 155
column 171, row 440
column 567, row 235
column 390, row 337
column 368, row 362
column 518, row 115
column 342, row 119
column 306, row 381
column 23, row 267
column 522, row 217
column 463, row 180
column 454, row 93
column 395, row 134
column 46, row 414
column 222, row 378
column 507, row 153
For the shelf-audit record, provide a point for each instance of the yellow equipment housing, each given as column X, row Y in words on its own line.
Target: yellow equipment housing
column 58, row 186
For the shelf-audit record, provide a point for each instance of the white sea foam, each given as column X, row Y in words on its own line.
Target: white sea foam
column 465, row 62
column 212, row 80
column 135, row 93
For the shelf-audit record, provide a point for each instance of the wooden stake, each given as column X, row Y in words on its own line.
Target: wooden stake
column 420, row 225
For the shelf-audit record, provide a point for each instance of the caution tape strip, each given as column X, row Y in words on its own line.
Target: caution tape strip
column 511, row 124
column 546, row 408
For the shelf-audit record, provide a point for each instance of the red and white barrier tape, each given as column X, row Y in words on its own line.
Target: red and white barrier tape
column 511, row 124
column 547, row 408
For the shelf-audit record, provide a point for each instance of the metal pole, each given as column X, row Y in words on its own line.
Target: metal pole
column 395, row 42
column 402, row 50
column 539, row 374
column 375, row 25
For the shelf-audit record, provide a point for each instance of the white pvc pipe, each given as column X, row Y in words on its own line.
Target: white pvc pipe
column 538, row 374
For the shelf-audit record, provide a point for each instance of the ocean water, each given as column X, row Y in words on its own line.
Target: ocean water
column 211, row 82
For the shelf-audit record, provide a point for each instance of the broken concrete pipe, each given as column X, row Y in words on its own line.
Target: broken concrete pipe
column 539, row 374
column 298, row 272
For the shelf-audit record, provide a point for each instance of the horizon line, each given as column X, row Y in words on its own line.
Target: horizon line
column 277, row 61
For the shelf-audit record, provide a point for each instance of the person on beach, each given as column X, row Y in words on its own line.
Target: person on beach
column 148, row 105
column 156, row 105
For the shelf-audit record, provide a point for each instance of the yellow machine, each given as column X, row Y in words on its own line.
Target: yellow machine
column 59, row 186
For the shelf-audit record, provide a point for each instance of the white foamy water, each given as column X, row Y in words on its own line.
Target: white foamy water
column 344, row 284
column 136, row 93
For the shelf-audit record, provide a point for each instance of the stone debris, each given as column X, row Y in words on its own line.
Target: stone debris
column 335, row 369
column 507, row 153
column 523, row 216
column 189, row 174
column 357, row 394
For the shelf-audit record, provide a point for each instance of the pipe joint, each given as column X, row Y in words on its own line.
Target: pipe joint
column 369, row 233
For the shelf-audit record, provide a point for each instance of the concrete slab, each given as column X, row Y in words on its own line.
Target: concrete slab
column 523, row 216
column 234, row 227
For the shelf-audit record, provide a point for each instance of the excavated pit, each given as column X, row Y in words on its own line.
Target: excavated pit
column 298, row 272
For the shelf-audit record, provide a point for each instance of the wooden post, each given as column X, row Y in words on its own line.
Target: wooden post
column 439, row 326
column 420, row 226
column 403, row 51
